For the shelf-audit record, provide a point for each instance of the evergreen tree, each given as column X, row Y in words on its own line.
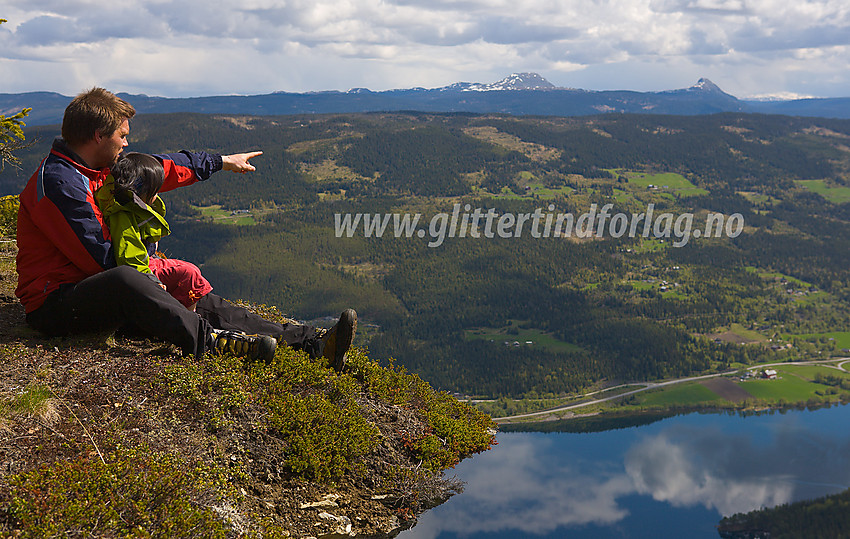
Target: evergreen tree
column 11, row 134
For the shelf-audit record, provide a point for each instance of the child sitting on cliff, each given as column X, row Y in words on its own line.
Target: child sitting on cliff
column 135, row 215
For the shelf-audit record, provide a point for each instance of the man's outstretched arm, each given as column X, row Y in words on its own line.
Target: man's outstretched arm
column 185, row 168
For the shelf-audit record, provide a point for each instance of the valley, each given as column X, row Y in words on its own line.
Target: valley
column 597, row 310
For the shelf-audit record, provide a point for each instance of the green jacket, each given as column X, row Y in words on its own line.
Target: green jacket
column 135, row 227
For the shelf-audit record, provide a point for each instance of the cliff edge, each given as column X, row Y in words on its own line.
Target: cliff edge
column 117, row 435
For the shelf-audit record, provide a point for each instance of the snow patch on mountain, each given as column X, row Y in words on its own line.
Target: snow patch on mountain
column 515, row 81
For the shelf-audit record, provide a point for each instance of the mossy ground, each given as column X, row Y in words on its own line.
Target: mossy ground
column 118, row 436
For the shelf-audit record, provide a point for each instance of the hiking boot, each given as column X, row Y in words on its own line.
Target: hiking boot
column 337, row 340
column 253, row 347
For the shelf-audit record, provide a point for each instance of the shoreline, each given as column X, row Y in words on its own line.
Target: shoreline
column 602, row 406
column 632, row 418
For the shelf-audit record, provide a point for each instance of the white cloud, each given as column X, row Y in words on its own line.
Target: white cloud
column 301, row 45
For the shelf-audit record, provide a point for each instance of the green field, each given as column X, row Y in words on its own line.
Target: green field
column 795, row 385
column 514, row 333
column 789, row 388
column 668, row 181
column 642, row 285
column 669, row 185
column 842, row 338
column 535, row 190
column 775, row 275
column 673, row 294
column 834, row 194
column 757, row 198
column 792, row 385
column 749, row 334
column 811, row 298
column 804, row 294
column 226, row 217
column 687, row 394
column 811, row 371
column 649, row 245
column 549, row 193
column 622, row 196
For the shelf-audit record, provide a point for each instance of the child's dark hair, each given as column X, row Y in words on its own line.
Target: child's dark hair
column 140, row 173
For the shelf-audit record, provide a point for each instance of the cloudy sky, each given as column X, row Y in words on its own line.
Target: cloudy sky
column 212, row 47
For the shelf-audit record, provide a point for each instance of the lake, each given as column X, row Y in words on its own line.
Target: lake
column 673, row 478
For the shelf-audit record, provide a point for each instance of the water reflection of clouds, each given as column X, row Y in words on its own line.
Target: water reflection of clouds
column 516, row 487
column 733, row 473
column 533, row 485
column 705, row 471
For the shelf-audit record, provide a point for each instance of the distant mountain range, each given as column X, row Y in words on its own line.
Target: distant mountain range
column 518, row 94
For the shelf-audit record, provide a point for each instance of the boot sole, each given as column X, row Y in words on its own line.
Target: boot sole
column 345, row 329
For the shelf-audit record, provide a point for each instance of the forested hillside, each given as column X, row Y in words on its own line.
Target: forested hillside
column 542, row 313
column 823, row 517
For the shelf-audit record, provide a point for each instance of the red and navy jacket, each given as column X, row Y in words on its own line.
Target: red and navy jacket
column 62, row 235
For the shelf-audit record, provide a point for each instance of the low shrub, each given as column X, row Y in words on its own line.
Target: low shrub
column 9, row 215
column 134, row 493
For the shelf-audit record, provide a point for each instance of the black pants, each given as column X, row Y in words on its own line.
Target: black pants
column 122, row 297
column 221, row 314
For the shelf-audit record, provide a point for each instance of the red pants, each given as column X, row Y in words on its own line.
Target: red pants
column 182, row 279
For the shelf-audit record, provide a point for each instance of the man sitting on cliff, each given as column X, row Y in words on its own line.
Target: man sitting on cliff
column 68, row 281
